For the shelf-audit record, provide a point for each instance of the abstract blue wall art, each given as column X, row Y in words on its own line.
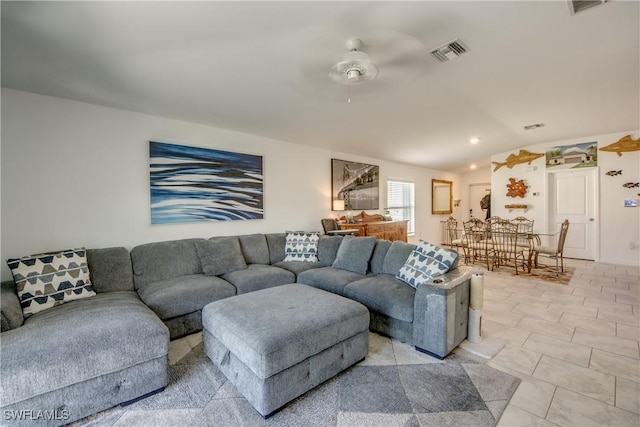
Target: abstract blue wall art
column 191, row 184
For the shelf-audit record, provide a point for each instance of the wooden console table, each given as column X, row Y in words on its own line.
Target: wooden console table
column 373, row 225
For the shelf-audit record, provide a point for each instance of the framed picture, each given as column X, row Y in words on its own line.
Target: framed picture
column 584, row 155
column 192, row 184
column 358, row 184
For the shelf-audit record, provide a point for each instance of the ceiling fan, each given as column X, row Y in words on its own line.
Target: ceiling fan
column 355, row 67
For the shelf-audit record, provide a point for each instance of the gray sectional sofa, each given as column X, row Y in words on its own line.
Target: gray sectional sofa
column 85, row 356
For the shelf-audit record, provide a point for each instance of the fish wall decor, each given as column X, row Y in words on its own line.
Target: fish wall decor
column 614, row 173
column 523, row 156
column 631, row 184
column 623, row 145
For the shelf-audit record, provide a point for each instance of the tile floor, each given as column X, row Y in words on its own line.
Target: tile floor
column 575, row 347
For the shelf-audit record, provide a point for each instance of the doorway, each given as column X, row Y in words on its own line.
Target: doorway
column 476, row 193
column 573, row 196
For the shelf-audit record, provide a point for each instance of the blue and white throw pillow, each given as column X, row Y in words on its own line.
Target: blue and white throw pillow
column 301, row 246
column 426, row 262
column 47, row 280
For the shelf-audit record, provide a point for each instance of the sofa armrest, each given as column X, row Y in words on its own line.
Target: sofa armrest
column 12, row 316
column 441, row 312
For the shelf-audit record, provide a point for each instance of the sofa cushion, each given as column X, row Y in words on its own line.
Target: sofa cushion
column 378, row 256
column 396, row 257
column 328, row 249
column 426, row 262
column 384, row 294
column 258, row 276
column 328, row 278
column 110, row 269
column 354, row 254
column 301, row 246
column 276, row 243
column 11, row 313
column 79, row 341
column 254, row 248
column 153, row 262
column 220, row 255
column 185, row 294
column 46, row 280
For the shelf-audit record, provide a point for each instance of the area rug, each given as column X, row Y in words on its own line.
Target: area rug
column 454, row 392
column 548, row 274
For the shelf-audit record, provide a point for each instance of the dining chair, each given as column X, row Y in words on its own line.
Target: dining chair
column 505, row 237
column 331, row 227
column 557, row 251
column 525, row 231
column 476, row 242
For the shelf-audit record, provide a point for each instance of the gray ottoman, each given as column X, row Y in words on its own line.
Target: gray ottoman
column 278, row 343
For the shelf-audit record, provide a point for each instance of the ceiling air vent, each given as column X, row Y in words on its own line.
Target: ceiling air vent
column 576, row 6
column 449, row 51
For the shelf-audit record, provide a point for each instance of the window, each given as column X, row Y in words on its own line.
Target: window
column 401, row 202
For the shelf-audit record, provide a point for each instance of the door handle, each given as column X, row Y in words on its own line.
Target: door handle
column 592, row 219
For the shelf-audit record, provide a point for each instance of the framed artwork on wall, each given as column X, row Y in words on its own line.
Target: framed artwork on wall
column 358, row 184
column 193, row 184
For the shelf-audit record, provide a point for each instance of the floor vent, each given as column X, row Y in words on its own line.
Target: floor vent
column 449, row 51
column 577, row 6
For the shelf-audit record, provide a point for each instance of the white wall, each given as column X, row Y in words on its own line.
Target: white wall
column 618, row 226
column 76, row 174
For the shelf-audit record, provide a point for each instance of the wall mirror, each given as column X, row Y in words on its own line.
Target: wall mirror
column 441, row 197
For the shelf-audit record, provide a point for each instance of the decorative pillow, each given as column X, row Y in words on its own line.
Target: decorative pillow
column 426, row 262
column 301, row 246
column 220, row 255
column 47, row 280
column 354, row 254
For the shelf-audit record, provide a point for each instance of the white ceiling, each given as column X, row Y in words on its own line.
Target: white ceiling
column 262, row 68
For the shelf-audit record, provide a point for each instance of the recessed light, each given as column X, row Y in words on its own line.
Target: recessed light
column 474, row 140
column 472, row 166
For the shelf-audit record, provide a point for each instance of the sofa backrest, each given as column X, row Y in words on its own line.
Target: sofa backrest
column 254, row 248
column 276, row 243
column 396, row 257
column 110, row 269
column 379, row 254
column 157, row 261
column 328, row 248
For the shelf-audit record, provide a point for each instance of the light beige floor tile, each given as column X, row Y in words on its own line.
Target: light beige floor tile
column 608, row 305
column 178, row 349
column 538, row 312
column 580, row 310
column 553, row 289
column 559, row 349
column 600, row 326
column 530, row 300
column 407, row 355
column 494, row 294
column 576, row 378
column 514, row 416
column 614, row 364
column 594, row 292
column 573, row 409
column 608, row 343
column 486, row 348
column 498, row 305
column 506, row 318
column 380, row 351
column 567, row 299
column 518, row 359
column 632, row 290
column 194, row 339
column 532, row 292
column 615, row 316
column 627, row 299
column 508, row 334
column 628, row 332
column 628, row 395
column 534, row 396
column 554, row 330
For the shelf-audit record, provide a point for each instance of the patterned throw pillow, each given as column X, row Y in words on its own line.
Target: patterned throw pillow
column 301, row 246
column 426, row 262
column 47, row 280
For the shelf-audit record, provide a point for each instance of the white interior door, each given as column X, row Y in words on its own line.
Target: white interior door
column 573, row 196
column 476, row 193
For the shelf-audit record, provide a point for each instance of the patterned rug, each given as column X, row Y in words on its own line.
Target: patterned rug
column 548, row 274
column 453, row 392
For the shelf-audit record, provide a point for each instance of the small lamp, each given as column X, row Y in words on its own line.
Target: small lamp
column 338, row 204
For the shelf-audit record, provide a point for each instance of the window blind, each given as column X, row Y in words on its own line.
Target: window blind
column 401, row 202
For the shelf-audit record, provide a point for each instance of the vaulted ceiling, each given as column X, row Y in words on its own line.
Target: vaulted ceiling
column 263, row 68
